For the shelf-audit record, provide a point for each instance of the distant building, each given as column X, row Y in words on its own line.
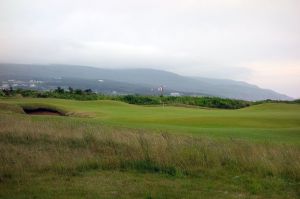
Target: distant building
column 4, row 86
column 175, row 94
column 35, row 81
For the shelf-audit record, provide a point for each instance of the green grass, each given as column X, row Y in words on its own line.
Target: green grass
column 109, row 149
column 264, row 122
column 120, row 184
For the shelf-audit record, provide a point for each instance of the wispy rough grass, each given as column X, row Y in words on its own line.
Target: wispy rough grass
column 69, row 148
column 44, row 151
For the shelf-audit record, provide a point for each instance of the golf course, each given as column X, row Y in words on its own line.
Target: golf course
column 111, row 149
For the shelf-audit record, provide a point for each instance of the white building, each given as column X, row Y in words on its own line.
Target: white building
column 175, row 94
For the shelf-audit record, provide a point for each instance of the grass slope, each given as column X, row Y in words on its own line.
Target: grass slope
column 265, row 122
column 107, row 149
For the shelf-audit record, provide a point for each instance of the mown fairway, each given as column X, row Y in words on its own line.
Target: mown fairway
column 108, row 149
column 265, row 122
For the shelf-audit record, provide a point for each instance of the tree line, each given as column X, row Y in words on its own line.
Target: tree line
column 70, row 93
column 88, row 94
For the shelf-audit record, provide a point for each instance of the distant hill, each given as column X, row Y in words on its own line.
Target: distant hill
column 129, row 81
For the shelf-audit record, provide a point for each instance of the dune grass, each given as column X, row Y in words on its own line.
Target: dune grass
column 97, row 157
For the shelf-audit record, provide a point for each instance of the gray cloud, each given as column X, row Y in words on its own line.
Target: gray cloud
column 216, row 38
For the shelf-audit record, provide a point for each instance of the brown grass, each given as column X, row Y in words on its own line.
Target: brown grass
column 68, row 147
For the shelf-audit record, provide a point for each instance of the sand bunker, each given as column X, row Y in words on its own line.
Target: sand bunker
column 42, row 111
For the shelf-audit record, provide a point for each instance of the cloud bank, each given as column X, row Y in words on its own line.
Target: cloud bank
column 256, row 41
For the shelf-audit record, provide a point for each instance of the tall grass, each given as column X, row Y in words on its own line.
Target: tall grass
column 69, row 148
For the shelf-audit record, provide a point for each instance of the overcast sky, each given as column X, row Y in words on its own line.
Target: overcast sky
column 257, row 41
